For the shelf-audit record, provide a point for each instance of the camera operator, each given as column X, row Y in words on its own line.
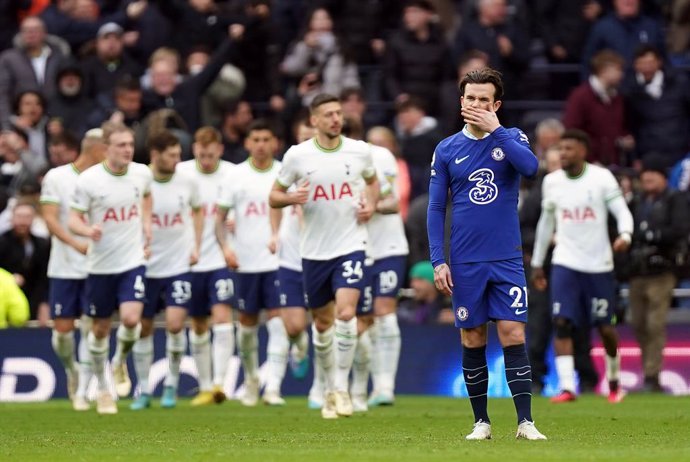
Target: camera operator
column 659, row 249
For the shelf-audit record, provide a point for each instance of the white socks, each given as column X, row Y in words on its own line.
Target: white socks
column 142, row 353
column 200, row 346
column 345, row 344
column 360, row 366
column 565, row 366
column 175, row 346
column 126, row 337
column 248, row 348
column 223, row 348
column 85, row 372
column 613, row 367
column 301, row 344
column 276, row 354
column 99, row 350
column 63, row 344
column 388, row 352
column 324, row 357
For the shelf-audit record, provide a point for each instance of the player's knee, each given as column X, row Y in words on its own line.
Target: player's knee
column 100, row 328
column 130, row 320
column 563, row 328
column 146, row 327
column 63, row 325
column 200, row 325
column 345, row 311
column 249, row 320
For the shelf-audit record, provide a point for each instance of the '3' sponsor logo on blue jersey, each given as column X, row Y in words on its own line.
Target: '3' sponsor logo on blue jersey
column 485, row 190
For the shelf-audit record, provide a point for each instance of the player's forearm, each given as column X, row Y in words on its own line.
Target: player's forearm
column 520, row 156
column 278, row 199
column 275, row 216
column 624, row 219
column 57, row 230
column 221, row 231
column 373, row 191
column 436, row 222
column 198, row 222
column 388, row 205
column 544, row 233
column 77, row 225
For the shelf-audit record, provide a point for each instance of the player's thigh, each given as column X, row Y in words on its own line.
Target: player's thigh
column 600, row 296
column 348, row 281
column 178, row 291
column 290, row 289
column 507, row 291
column 155, row 297
column 249, row 294
column 221, row 287
column 470, row 283
column 388, row 276
column 365, row 303
column 66, row 298
column 316, row 277
column 101, row 291
column 131, row 286
column 270, row 298
column 567, row 296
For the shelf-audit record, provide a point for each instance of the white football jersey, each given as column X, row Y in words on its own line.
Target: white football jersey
column 335, row 186
column 210, row 184
column 289, row 235
column 172, row 225
column 246, row 192
column 581, row 210
column 114, row 202
column 386, row 232
column 58, row 188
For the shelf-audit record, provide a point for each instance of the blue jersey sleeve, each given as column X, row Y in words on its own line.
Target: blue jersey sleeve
column 436, row 214
column 516, row 147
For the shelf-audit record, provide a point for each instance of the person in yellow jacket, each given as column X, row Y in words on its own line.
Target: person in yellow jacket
column 14, row 307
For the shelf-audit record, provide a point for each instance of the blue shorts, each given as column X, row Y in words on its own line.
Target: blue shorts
column 211, row 288
column 106, row 292
column 322, row 278
column 365, row 304
column 489, row 291
column 67, row 298
column 290, row 288
column 584, row 298
column 388, row 275
column 257, row 291
column 164, row 292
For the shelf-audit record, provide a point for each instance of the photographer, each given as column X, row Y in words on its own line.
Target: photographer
column 659, row 248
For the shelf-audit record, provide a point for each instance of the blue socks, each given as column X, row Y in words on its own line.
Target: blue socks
column 519, row 377
column 476, row 375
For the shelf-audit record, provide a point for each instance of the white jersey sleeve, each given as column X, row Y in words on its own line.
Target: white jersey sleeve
column 114, row 201
column 57, row 189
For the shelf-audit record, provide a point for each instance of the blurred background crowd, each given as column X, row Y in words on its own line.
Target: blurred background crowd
column 617, row 69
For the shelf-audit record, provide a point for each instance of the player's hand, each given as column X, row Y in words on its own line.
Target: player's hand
column 236, row 31
column 539, row 279
column 136, row 9
column 194, row 257
column 147, row 251
column 484, row 120
column 364, row 210
column 96, row 233
column 620, row 245
column 230, row 258
column 505, row 46
column 81, row 247
column 443, row 280
column 273, row 244
column 301, row 195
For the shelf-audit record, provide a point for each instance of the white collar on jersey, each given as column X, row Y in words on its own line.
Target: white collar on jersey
column 466, row 132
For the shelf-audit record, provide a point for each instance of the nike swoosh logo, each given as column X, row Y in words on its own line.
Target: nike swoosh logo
column 470, row 377
column 522, row 373
column 457, row 161
column 518, row 312
column 352, row 280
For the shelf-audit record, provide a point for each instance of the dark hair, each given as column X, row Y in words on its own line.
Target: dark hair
column 261, row 124
column 485, row 75
column 421, row 4
column 127, row 83
column 321, row 99
column 606, row 58
column 234, row 106
column 352, row 91
column 646, row 48
column 353, row 128
column 413, row 102
column 577, row 135
column 18, row 100
column 67, row 138
column 161, row 140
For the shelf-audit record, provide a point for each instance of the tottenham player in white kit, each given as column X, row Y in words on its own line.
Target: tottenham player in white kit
column 576, row 201
column 379, row 344
column 67, row 267
column 328, row 171
column 245, row 192
column 176, row 226
column 112, row 207
column 213, row 287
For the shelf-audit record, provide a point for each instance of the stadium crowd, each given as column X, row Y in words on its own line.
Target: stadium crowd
column 616, row 70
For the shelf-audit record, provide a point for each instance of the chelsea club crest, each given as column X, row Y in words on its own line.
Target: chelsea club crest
column 497, row 154
column 462, row 313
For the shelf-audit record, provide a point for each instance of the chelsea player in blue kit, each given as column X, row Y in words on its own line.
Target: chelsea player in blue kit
column 481, row 167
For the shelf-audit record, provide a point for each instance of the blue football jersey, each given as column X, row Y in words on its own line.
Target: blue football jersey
column 483, row 178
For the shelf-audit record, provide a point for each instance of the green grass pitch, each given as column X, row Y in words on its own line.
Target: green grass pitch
column 642, row 428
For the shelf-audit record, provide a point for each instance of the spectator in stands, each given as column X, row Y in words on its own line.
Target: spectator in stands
column 110, row 63
column 63, row 149
column 236, row 121
column 597, row 108
column 123, row 105
column 31, row 65
column 14, row 307
column 662, row 222
column 18, row 166
column 418, row 60
column 547, row 134
column 416, row 231
column 383, row 136
column 623, row 31
column 320, row 60
column 9, row 12
column 504, row 41
column 678, row 35
column 658, row 107
column 70, row 102
column 354, row 104
column 427, row 303
column 418, row 135
column 30, row 117
column 26, row 257
column 564, row 27
column 183, row 97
